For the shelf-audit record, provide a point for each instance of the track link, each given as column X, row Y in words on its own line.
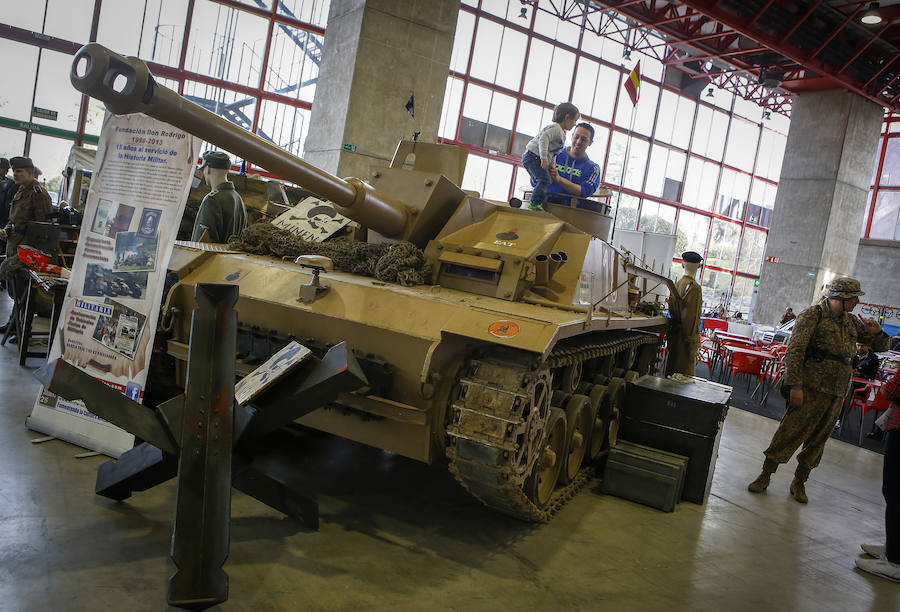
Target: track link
column 498, row 412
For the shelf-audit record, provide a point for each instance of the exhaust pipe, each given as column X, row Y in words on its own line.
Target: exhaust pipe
column 556, row 260
column 541, row 270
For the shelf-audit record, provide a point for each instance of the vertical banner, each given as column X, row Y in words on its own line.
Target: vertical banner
column 137, row 195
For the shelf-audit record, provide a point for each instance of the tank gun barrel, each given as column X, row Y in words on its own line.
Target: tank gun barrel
column 125, row 85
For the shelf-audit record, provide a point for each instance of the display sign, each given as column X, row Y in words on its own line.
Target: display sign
column 43, row 113
column 772, row 259
column 134, row 206
column 312, row 220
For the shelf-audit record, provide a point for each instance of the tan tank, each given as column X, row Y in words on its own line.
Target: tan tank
column 511, row 364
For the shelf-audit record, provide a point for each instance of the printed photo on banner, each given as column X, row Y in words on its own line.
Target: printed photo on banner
column 121, row 221
column 100, row 281
column 149, row 224
column 100, row 224
column 121, row 330
column 135, row 253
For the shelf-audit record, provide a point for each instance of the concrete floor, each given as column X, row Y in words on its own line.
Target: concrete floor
column 399, row 535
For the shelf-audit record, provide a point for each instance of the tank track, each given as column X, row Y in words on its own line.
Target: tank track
column 498, row 410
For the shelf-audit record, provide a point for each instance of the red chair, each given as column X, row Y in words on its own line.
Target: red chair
column 709, row 323
column 706, row 353
column 879, row 403
column 742, row 363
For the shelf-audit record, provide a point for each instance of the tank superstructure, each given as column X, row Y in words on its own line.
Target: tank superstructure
column 511, row 364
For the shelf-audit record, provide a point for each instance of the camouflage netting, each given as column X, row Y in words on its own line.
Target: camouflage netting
column 400, row 262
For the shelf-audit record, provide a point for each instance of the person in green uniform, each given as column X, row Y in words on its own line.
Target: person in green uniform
column 818, row 364
column 30, row 203
column 683, row 337
column 222, row 213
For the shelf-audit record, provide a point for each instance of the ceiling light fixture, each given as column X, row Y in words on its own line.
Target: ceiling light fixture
column 872, row 16
column 523, row 14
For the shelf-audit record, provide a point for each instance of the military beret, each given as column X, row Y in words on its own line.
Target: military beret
column 216, row 159
column 21, row 162
column 691, row 257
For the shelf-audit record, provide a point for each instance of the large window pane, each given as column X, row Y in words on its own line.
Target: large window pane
column 66, row 101
column 637, row 161
column 890, row 171
column 709, row 133
column 462, row 41
column 762, row 201
column 675, row 118
column 294, row 59
column 658, row 218
column 700, row 184
column 549, row 72
column 752, row 249
column 450, row 112
column 692, row 234
column 50, row 155
column 27, row 17
column 741, row 296
column 723, row 244
column 15, row 102
column 885, row 219
column 226, row 43
column 284, row 125
column 716, row 286
column 626, row 214
column 771, row 154
column 66, row 19
column 12, row 142
column 742, row 143
column 665, row 173
column 161, row 36
column 496, row 183
column 733, row 190
column 487, row 119
column 476, row 170
column 551, row 26
column 310, row 11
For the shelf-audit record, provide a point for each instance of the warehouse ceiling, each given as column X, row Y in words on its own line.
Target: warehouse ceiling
column 761, row 50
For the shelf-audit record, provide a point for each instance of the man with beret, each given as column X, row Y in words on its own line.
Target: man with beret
column 683, row 337
column 222, row 213
column 817, row 368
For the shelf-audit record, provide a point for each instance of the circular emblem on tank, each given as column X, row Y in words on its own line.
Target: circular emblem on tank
column 510, row 234
column 504, row 329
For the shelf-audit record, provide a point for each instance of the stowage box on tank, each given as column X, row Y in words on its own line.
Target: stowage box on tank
column 511, row 362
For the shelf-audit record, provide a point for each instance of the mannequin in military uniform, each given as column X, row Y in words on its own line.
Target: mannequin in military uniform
column 683, row 338
column 818, row 364
column 222, row 213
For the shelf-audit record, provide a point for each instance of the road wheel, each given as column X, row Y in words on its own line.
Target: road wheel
column 539, row 486
column 578, row 433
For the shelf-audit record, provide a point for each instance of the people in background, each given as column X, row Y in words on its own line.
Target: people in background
column 222, row 213
column 865, row 362
column 543, row 148
column 8, row 189
column 573, row 172
column 885, row 561
column 788, row 316
column 818, row 364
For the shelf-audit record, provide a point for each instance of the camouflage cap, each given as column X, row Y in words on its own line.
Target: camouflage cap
column 844, row 287
column 216, row 159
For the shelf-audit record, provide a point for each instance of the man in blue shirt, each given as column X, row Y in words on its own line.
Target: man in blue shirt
column 574, row 173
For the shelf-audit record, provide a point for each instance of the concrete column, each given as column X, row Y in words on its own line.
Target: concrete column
column 375, row 53
column 822, row 191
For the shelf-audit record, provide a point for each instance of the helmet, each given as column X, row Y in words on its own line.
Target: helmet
column 844, row 287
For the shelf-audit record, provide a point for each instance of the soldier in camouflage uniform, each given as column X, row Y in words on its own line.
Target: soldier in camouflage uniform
column 818, row 365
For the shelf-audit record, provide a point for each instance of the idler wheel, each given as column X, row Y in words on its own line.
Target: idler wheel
column 578, row 432
column 539, row 486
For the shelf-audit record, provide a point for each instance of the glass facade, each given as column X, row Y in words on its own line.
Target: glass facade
column 702, row 167
column 254, row 62
column 882, row 220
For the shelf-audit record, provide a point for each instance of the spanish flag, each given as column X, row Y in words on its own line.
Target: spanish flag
column 633, row 83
